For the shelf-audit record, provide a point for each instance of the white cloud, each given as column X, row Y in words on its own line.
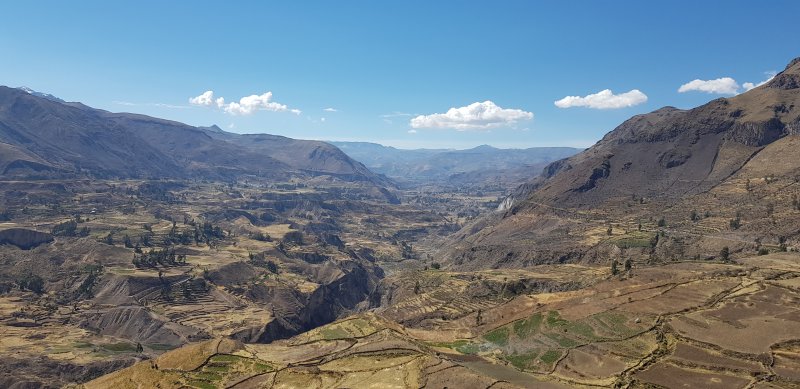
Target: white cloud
column 605, row 99
column 205, row 99
column 723, row 86
column 160, row 105
column 245, row 106
column 476, row 116
column 322, row 120
column 330, row 109
column 396, row 115
column 749, row 85
column 249, row 104
column 412, row 131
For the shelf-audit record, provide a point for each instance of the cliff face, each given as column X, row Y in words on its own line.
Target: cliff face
column 24, row 238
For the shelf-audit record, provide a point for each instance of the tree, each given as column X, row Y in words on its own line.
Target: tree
column 662, row 222
column 610, row 231
column 32, row 282
column 436, row 266
column 628, row 264
column 735, row 223
column 614, row 267
column 694, row 216
column 725, row 254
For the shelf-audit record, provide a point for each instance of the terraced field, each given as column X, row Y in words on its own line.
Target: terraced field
column 684, row 324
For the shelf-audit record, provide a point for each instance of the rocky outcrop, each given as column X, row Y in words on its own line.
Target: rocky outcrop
column 46, row 373
column 345, row 287
column 24, row 238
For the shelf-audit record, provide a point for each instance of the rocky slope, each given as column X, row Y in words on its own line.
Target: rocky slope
column 663, row 164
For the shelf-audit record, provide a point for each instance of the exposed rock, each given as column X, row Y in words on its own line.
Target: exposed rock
column 24, row 238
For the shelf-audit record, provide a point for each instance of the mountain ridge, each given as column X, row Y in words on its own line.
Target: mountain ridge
column 46, row 137
column 451, row 166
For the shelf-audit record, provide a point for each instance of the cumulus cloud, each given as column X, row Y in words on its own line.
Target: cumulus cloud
column 245, row 106
column 749, row 85
column 205, row 99
column 723, row 86
column 476, row 116
column 605, row 99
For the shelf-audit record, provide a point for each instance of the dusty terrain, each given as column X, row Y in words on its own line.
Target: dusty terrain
column 158, row 264
column 683, row 324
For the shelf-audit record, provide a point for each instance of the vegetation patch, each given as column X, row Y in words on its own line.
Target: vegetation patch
column 207, row 376
column 521, row 361
column 550, row 357
column 526, row 327
column 498, row 336
column 202, row 384
column 226, row 358
column 334, row 333
column 635, row 239
column 121, row 347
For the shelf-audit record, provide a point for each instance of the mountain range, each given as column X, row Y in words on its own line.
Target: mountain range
column 42, row 136
column 480, row 165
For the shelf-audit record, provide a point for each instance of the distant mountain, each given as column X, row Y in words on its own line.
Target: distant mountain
column 40, row 94
column 479, row 165
column 40, row 136
column 689, row 171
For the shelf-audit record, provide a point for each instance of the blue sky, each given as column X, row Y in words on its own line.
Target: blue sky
column 388, row 67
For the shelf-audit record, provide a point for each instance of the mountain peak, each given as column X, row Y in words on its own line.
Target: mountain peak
column 484, row 148
column 792, row 63
column 40, row 94
column 787, row 79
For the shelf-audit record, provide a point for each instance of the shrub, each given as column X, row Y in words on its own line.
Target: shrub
column 725, row 254
column 32, row 282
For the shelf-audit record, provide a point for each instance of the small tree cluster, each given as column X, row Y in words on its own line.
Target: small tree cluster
column 69, row 228
column 31, row 282
column 262, row 237
column 154, row 258
column 261, row 260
